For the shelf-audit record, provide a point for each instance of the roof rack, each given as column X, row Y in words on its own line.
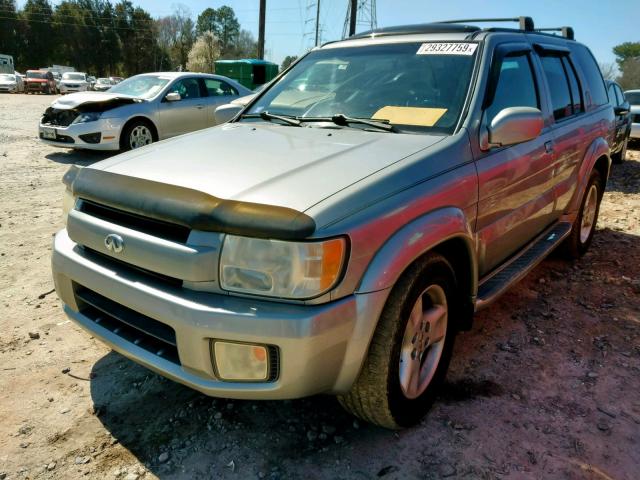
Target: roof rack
column 526, row 23
column 416, row 29
column 566, row 32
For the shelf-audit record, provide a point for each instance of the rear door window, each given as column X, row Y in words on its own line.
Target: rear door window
column 516, row 86
column 576, row 92
column 558, row 86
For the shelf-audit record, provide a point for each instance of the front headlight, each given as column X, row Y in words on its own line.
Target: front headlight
column 68, row 202
column 87, row 117
column 276, row 268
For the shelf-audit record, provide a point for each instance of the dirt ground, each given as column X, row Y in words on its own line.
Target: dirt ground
column 546, row 385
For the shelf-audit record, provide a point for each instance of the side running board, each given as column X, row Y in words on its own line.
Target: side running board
column 520, row 265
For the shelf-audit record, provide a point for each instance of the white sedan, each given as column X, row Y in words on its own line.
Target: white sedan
column 11, row 83
column 138, row 111
column 73, row 82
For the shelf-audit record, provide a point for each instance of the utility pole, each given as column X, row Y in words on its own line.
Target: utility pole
column 317, row 23
column 353, row 17
column 263, row 8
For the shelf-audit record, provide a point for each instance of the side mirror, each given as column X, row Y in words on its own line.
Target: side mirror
column 622, row 109
column 515, row 125
column 173, row 97
column 226, row 112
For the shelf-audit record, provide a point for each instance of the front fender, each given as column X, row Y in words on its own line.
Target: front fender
column 413, row 240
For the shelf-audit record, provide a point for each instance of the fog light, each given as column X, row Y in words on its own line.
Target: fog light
column 241, row 361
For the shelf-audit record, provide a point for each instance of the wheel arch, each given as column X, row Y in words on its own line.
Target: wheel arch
column 597, row 156
column 154, row 128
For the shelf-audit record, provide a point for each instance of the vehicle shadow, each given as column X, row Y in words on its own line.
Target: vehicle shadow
column 625, row 176
column 490, row 373
column 79, row 157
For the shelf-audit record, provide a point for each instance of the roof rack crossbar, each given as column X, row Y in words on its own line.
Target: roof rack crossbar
column 567, row 32
column 526, row 23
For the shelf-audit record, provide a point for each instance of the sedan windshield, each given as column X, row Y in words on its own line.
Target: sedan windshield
column 73, row 76
column 142, row 86
column 413, row 86
column 104, row 81
column 7, row 76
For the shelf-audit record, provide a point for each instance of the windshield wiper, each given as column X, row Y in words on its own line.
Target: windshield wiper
column 265, row 115
column 344, row 121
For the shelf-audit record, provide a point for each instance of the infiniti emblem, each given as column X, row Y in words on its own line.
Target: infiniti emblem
column 114, row 243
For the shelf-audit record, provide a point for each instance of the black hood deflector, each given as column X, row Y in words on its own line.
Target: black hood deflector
column 187, row 207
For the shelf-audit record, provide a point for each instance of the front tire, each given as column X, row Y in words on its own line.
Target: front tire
column 137, row 134
column 411, row 348
column 584, row 227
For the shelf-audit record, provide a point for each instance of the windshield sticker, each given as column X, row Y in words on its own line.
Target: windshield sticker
column 418, row 116
column 449, row 48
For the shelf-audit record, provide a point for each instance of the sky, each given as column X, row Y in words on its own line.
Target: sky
column 290, row 24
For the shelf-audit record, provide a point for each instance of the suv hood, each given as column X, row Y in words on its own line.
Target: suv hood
column 268, row 163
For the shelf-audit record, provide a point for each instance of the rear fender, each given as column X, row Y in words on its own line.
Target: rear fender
column 599, row 148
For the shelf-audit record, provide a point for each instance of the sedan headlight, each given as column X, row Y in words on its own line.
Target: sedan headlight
column 87, row 117
column 276, row 268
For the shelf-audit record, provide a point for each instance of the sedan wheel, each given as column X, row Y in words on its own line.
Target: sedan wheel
column 140, row 136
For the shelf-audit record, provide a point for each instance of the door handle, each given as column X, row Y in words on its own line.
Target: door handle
column 548, row 146
column 199, row 107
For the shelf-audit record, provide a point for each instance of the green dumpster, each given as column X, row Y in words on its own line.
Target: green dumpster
column 251, row 73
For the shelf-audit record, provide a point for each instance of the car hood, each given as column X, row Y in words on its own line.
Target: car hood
column 267, row 163
column 8, row 82
column 36, row 80
column 89, row 99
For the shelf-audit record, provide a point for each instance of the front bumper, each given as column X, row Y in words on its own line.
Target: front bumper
column 320, row 347
column 70, row 136
column 35, row 87
column 8, row 88
column 635, row 130
column 67, row 89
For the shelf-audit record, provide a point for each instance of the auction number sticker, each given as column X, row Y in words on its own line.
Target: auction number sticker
column 448, row 48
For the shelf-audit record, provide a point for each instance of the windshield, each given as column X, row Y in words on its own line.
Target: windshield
column 142, row 86
column 35, row 75
column 106, row 81
column 413, row 86
column 73, row 76
column 7, row 76
column 632, row 97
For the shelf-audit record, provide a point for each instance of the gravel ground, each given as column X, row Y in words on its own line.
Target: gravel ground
column 544, row 386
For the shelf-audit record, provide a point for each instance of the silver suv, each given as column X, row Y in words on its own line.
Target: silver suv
column 338, row 232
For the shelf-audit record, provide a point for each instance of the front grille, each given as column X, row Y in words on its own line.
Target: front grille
column 150, row 226
column 59, row 117
column 119, row 265
column 145, row 332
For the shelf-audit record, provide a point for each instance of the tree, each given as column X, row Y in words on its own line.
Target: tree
column 630, row 78
column 207, row 22
column 625, row 51
column 609, row 70
column 37, row 43
column 288, row 60
column 245, row 46
column 9, row 29
column 205, row 51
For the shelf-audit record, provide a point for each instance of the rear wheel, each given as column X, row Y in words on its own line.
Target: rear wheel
column 410, row 351
column 578, row 241
column 137, row 134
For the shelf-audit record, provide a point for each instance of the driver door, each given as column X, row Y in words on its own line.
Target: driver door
column 516, row 183
column 184, row 115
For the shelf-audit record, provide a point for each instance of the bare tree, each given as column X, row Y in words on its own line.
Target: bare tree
column 205, row 51
column 609, row 70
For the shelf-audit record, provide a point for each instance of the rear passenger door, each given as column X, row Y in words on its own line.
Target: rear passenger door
column 219, row 93
column 569, row 131
column 516, row 196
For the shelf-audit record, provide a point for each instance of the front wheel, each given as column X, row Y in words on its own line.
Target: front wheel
column 579, row 240
column 137, row 134
column 411, row 348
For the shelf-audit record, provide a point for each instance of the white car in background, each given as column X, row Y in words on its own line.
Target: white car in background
column 633, row 97
column 11, row 83
column 138, row 111
column 73, row 82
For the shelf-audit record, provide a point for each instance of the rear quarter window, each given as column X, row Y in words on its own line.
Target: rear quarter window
column 596, row 90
